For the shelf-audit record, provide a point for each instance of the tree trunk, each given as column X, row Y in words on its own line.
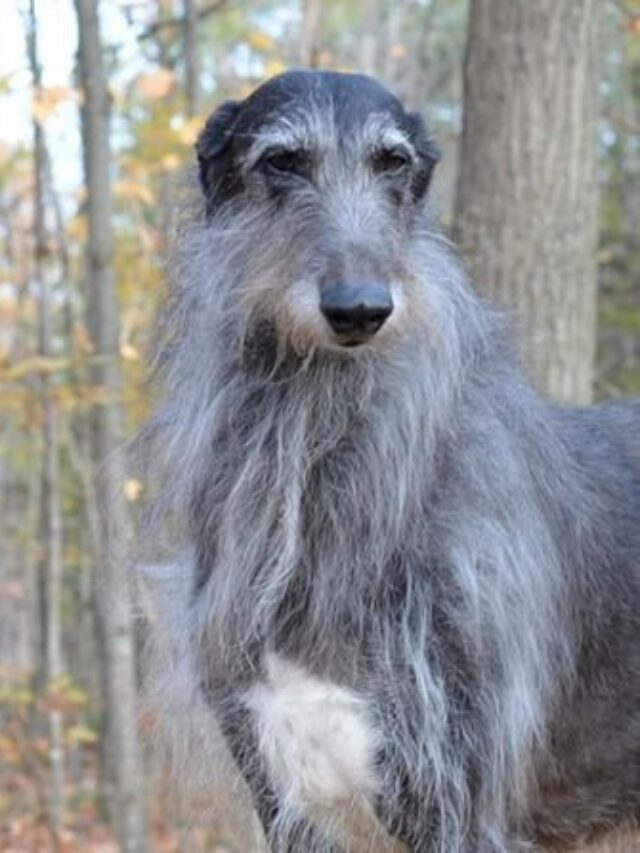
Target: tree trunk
column 191, row 57
column 527, row 194
column 309, row 33
column 368, row 51
column 113, row 593
column 50, row 562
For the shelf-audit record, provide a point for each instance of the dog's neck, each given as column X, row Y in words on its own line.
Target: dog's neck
column 313, row 476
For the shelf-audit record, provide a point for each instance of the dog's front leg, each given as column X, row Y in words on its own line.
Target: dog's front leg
column 284, row 834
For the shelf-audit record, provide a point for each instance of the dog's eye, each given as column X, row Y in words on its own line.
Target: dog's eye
column 287, row 162
column 389, row 161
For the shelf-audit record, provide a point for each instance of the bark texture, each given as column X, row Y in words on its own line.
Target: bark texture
column 191, row 57
column 309, row 34
column 113, row 593
column 50, row 664
column 526, row 215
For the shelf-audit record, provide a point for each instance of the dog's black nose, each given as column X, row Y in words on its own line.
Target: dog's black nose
column 355, row 312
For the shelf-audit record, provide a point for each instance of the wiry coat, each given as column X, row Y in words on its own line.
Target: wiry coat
column 441, row 568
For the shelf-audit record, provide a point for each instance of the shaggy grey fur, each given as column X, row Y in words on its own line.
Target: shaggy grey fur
column 407, row 518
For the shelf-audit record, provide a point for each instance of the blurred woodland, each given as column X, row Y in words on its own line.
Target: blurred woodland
column 99, row 110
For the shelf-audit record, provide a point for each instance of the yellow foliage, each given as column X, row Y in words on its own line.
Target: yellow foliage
column 135, row 274
column 77, row 397
column 65, row 696
column 170, row 162
column 274, row 67
column 36, row 364
column 134, row 191
column 13, row 399
column 77, row 229
column 157, row 136
column 261, row 41
column 81, row 736
column 189, row 131
column 245, row 89
column 16, row 694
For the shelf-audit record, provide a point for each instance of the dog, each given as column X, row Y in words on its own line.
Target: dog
column 413, row 596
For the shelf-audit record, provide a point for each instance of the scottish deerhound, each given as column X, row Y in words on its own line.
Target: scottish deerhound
column 415, row 585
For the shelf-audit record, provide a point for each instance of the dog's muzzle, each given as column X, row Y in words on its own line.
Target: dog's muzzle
column 356, row 312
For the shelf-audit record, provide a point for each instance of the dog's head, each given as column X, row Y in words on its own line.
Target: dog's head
column 329, row 174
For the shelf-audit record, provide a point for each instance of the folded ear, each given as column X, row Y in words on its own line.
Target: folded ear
column 428, row 155
column 213, row 148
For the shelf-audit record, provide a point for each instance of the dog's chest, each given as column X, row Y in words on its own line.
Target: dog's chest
column 317, row 738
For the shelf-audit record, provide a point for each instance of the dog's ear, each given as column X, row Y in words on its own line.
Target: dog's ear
column 213, row 149
column 428, row 155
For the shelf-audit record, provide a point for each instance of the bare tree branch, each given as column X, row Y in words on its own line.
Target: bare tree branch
column 171, row 23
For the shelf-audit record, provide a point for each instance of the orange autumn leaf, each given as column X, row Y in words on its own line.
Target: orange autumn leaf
column 158, row 84
column 47, row 100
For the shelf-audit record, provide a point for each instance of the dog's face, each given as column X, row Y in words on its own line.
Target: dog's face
column 329, row 174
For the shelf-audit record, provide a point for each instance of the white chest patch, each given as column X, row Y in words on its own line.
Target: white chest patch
column 315, row 737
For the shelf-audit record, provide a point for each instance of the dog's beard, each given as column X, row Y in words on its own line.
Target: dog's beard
column 270, row 353
column 262, row 349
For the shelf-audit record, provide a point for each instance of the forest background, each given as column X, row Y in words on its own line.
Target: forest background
column 99, row 110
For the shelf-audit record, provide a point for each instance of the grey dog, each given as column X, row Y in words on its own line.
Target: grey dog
column 415, row 585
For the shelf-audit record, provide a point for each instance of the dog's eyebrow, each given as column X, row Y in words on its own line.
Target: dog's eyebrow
column 379, row 132
column 393, row 137
column 274, row 136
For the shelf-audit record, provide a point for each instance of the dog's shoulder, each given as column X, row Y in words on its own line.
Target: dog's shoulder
column 606, row 434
